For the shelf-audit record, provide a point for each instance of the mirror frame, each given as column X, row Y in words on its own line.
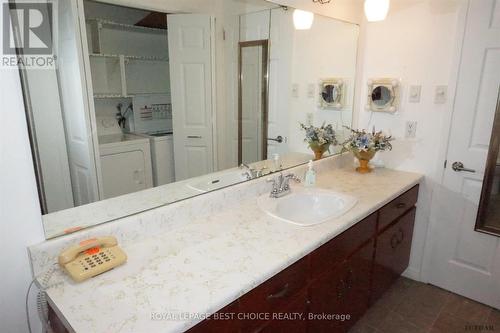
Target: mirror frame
column 339, row 84
column 264, row 43
column 390, row 83
column 489, row 175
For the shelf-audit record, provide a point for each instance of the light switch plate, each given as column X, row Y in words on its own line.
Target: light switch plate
column 441, row 95
column 411, row 130
column 415, row 94
column 295, row 90
column 311, row 87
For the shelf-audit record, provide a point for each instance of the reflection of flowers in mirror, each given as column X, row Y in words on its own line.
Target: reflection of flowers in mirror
column 320, row 138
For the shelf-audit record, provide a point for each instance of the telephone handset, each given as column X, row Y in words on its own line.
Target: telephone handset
column 92, row 257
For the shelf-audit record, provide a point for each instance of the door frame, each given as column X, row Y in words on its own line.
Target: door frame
column 444, row 140
column 264, row 43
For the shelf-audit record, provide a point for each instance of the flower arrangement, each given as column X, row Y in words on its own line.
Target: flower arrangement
column 365, row 145
column 320, row 138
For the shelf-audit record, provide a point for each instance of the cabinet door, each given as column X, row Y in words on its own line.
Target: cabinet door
column 392, row 253
column 344, row 292
column 224, row 321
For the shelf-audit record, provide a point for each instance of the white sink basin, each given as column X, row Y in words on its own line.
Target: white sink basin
column 307, row 207
column 216, row 181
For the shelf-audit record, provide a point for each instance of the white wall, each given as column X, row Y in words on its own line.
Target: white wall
column 416, row 43
column 20, row 218
column 327, row 50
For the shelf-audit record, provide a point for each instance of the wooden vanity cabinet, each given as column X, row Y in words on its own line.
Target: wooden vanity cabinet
column 392, row 253
column 342, row 277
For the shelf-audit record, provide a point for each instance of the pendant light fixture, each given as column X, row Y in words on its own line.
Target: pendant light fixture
column 376, row 10
column 302, row 20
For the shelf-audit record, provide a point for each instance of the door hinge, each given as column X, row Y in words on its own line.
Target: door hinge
column 445, row 163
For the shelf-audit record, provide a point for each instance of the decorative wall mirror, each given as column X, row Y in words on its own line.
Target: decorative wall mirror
column 332, row 93
column 383, row 95
column 488, row 216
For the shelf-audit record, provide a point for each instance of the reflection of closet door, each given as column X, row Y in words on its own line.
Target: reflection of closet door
column 75, row 105
column 190, row 53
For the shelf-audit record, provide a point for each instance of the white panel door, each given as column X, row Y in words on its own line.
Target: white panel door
column 462, row 260
column 251, row 104
column 190, row 53
column 75, row 106
column 280, row 69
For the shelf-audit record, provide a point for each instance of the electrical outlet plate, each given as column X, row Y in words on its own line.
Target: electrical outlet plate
column 411, row 130
column 309, row 119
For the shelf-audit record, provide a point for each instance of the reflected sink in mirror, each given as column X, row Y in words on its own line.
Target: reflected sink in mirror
column 218, row 180
column 307, row 207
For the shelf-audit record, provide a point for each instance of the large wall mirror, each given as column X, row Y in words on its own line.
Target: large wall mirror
column 168, row 100
column 488, row 217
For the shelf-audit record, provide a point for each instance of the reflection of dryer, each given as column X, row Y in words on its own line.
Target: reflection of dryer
column 125, row 164
column 162, row 158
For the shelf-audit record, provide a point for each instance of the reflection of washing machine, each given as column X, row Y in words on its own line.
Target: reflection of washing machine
column 152, row 119
column 162, row 158
column 125, row 164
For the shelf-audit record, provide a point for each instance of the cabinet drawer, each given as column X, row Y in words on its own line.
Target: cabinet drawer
column 274, row 295
column 224, row 322
column 341, row 247
column 397, row 207
column 295, row 323
column 392, row 254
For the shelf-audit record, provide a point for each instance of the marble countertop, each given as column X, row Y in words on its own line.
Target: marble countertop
column 198, row 268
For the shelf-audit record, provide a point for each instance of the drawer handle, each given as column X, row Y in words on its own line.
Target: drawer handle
column 402, row 237
column 340, row 289
column 397, row 238
column 401, row 205
column 280, row 294
column 394, row 241
column 349, row 278
column 194, row 137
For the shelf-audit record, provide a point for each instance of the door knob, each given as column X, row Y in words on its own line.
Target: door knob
column 278, row 139
column 459, row 167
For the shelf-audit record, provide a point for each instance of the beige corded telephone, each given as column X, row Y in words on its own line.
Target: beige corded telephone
column 92, row 257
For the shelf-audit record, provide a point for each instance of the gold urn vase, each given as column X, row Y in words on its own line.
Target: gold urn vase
column 364, row 158
column 319, row 150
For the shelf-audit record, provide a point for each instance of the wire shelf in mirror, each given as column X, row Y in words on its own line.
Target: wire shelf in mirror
column 126, row 27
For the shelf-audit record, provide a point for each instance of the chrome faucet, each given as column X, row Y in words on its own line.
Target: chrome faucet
column 251, row 173
column 281, row 185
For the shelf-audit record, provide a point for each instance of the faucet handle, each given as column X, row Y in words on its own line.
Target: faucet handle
column 293, row 177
